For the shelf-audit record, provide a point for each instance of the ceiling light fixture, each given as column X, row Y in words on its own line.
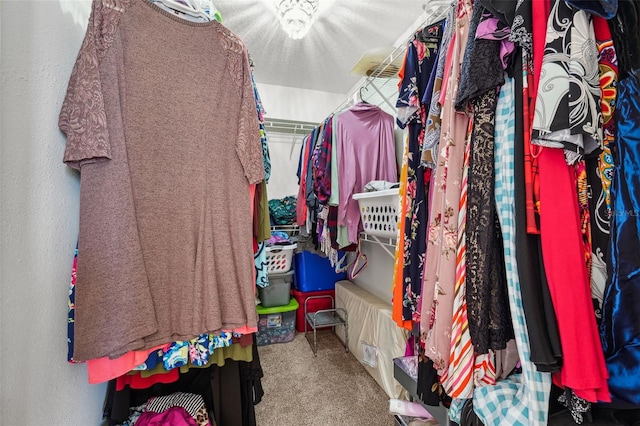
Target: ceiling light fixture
column 296, row 16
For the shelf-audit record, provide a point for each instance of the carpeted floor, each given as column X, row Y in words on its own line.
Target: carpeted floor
column 331, row 389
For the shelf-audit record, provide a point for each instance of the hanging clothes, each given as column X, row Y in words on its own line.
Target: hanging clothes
column 322, row 176
column 140, row 256
column 620, row 325
column 262, row 221
column 520, row 399
column 489, row 323
column 486, row 292
column 411, row 246
column 568, row 118
column 310, row 198
column 432, row 130
column 600, row 165
column 546, row 351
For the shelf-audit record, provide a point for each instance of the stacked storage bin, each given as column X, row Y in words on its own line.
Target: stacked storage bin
column 314, row 277
column 277, row 310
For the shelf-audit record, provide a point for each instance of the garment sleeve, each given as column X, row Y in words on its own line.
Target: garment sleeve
column 388, row 166
column 82, row 117
column 334, row 199
column 408, row 98
column 346, row 173
column 300, row 157
column 249, row 144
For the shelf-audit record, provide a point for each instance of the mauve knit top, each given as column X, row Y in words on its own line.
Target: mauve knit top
column 161, row 121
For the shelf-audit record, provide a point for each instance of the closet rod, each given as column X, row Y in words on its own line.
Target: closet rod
column 435, row 16
column 288, row 126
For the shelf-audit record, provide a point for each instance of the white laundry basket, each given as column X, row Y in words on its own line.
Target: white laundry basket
column 379, row 211
column 280, row 258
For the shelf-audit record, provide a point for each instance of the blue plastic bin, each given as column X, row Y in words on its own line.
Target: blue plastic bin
column 315, row 273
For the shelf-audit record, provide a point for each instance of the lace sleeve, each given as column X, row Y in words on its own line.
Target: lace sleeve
column 82, row 117
column 249, row 144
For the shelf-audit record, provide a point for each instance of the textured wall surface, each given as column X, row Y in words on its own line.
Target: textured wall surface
column 38, row 215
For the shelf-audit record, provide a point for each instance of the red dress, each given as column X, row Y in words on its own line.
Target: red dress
column 584, row 369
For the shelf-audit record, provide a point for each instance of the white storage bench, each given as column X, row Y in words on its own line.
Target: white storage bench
column 374, row 338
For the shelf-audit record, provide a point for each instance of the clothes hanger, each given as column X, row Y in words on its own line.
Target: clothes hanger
column 431, row 33
column 182, row 6
column 362, row 97
column 203, row 9
column 208, row 7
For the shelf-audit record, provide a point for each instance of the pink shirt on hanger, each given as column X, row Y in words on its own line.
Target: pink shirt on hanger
column 366, row 152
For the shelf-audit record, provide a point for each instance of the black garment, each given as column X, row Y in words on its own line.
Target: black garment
column 429, row 388
column 600, row 224
column 522, row 26
column 236, row 388
column 624, row 31
column 542, row 327
column 468, row 417
column 226, row 388
column 579, row 408
column 504, row 10
column 251, row 385
column 488, row 310
column 481, row 66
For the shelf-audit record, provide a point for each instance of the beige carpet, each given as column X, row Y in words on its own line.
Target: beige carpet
column 330, row 389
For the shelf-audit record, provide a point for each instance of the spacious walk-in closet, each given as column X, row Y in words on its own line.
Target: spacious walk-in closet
column 320, row 212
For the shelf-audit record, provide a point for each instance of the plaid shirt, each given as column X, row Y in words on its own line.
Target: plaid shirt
column 521, row 399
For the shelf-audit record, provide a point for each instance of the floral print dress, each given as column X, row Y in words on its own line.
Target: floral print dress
column 419, row 67
column 440, row 271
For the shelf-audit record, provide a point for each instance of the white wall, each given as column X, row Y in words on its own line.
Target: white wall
column 284, row 152
column 377, row 277
column 291, row 103
column 39, row 218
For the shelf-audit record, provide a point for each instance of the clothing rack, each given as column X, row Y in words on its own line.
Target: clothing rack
column 288, row 127
column 287, row 131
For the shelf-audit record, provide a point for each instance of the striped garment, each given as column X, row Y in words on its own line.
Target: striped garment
column 464, row 371
column 458, row 378
column 192, row 403
column 521, row 399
